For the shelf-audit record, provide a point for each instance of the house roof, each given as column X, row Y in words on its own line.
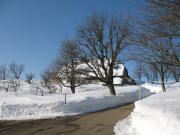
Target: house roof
column 118, row 69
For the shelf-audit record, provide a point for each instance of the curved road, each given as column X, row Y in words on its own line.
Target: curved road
column 98, row 123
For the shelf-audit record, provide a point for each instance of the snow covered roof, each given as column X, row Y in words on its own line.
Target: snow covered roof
column 86, row 72
column 118, row 69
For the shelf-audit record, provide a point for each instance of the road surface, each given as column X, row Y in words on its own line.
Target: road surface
column 98, row 123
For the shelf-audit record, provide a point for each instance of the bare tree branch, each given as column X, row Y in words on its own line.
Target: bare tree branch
column 101, row 40
column 16, row 70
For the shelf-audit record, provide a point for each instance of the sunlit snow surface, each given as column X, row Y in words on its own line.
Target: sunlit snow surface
column 88, row 98
column 158, row 114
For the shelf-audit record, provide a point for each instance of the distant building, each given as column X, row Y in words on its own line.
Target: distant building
column 120, row 75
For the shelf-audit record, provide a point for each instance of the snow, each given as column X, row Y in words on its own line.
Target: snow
column 24, row 104
column 118, row 71
column 85, row 71
column 117, row 80
column 154, row 88
column 158, row 114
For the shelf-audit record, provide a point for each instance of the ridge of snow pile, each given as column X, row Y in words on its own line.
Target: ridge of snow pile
column 154, row 88
column 88, row 98
column 158, row 114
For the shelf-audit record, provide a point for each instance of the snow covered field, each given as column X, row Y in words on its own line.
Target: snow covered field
column 23, row 104
column 158, row 114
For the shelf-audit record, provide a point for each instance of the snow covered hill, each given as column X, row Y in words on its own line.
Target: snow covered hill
column 158, row 114
column 24, row 104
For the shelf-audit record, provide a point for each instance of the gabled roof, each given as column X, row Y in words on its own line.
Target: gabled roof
column 118, row 68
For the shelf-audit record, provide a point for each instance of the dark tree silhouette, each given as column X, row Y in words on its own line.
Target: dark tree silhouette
column 101, row 40
column 16, row 70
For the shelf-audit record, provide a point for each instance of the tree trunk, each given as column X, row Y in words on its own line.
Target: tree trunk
column 111, row 89
column 110, row 83
column 176, row 78
column 73, row 89
column 148, row 79
column 156, row 79
column 162, row 84
column 162, row 78
column 42, row 93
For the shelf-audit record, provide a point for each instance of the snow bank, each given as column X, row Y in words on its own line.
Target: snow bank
column 158, row 114
column 88, row 98
column 154, row 88
column 15, row 111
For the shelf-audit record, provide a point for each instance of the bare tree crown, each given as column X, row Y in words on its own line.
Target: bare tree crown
column 16, row 70
column 66, row 64
column 3, row 72
column 101, row 40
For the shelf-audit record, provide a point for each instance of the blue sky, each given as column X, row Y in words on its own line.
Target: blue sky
column 31, row 30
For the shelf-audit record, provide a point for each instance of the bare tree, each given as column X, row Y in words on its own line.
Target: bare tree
column 157, row 35
column 146, row 53
column 138, row 71
column 102, row 39
column 167, row 74
column 175, row 71
column 38, row 86
column 165, row 17
column 53, row 89
column 3, row 72
column 46, row 77
column 169, row 11
column 29, row 77
column 5, row 85
column 16, row 70
column 15, row 84
column 67, row 64
column 150, row 72
column 147, row 73
column 154, row 72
